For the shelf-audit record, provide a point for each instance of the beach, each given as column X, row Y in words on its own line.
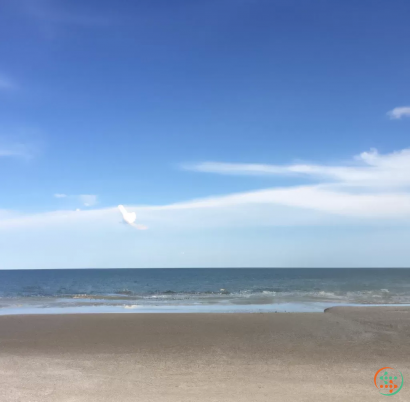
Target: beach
column 330, row 356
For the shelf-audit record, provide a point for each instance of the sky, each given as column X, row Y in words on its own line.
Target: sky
column 241, row 133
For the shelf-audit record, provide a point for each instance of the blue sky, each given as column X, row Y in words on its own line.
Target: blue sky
column 240, row 132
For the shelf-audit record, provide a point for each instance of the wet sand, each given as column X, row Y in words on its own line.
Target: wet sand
column 329, row 356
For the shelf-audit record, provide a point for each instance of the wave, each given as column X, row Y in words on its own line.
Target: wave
column 245, row 296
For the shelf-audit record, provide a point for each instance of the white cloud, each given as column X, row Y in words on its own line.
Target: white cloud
column 6, row 83
column 295, row 206
column 20, row 142
column 399, row 112
column 370, row 195
column 57, row 13
column 319, row 198
column 61, row 219
column 369, row 169
column 94, row 238
column 88, row 200
column 373, row 189
column 6, row 214
column 371, row 185
column 15, row 149
column 130, row 218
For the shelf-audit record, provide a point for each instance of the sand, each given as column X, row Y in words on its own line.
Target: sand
column 329, row 356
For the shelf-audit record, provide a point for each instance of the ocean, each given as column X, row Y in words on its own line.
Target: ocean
column 198, row 290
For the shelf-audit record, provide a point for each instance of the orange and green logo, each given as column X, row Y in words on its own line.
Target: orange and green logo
column 388, row 381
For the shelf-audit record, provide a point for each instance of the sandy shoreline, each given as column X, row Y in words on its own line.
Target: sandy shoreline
column 328, row 356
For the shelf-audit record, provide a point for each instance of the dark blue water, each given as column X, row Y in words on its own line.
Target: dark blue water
column 136, row 288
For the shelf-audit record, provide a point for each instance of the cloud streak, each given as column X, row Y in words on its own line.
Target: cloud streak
column 6, row 83
column 319, row 198
column 88, row 200
column 295, row 206
column 399, row 112
column 130, row 218
column 57, row 13
column 371, row 189
column 19, row 150
column 369, row 169
column 371, row 185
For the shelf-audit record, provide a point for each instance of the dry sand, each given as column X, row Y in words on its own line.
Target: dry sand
column 330, row 356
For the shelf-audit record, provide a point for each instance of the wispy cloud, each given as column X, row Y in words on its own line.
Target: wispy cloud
column 95, row 238
column 293, row 206
column 322, row 198
column 130, row 218
column 369, row 169
column 6, row 83
column 57, row 12
column 399, row 112
column 370, row 185
column 7, row 214
column 370, row 189
column 88, row 200
column 15, row 149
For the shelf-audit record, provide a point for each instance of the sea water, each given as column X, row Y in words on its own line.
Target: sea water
column 198, row 290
